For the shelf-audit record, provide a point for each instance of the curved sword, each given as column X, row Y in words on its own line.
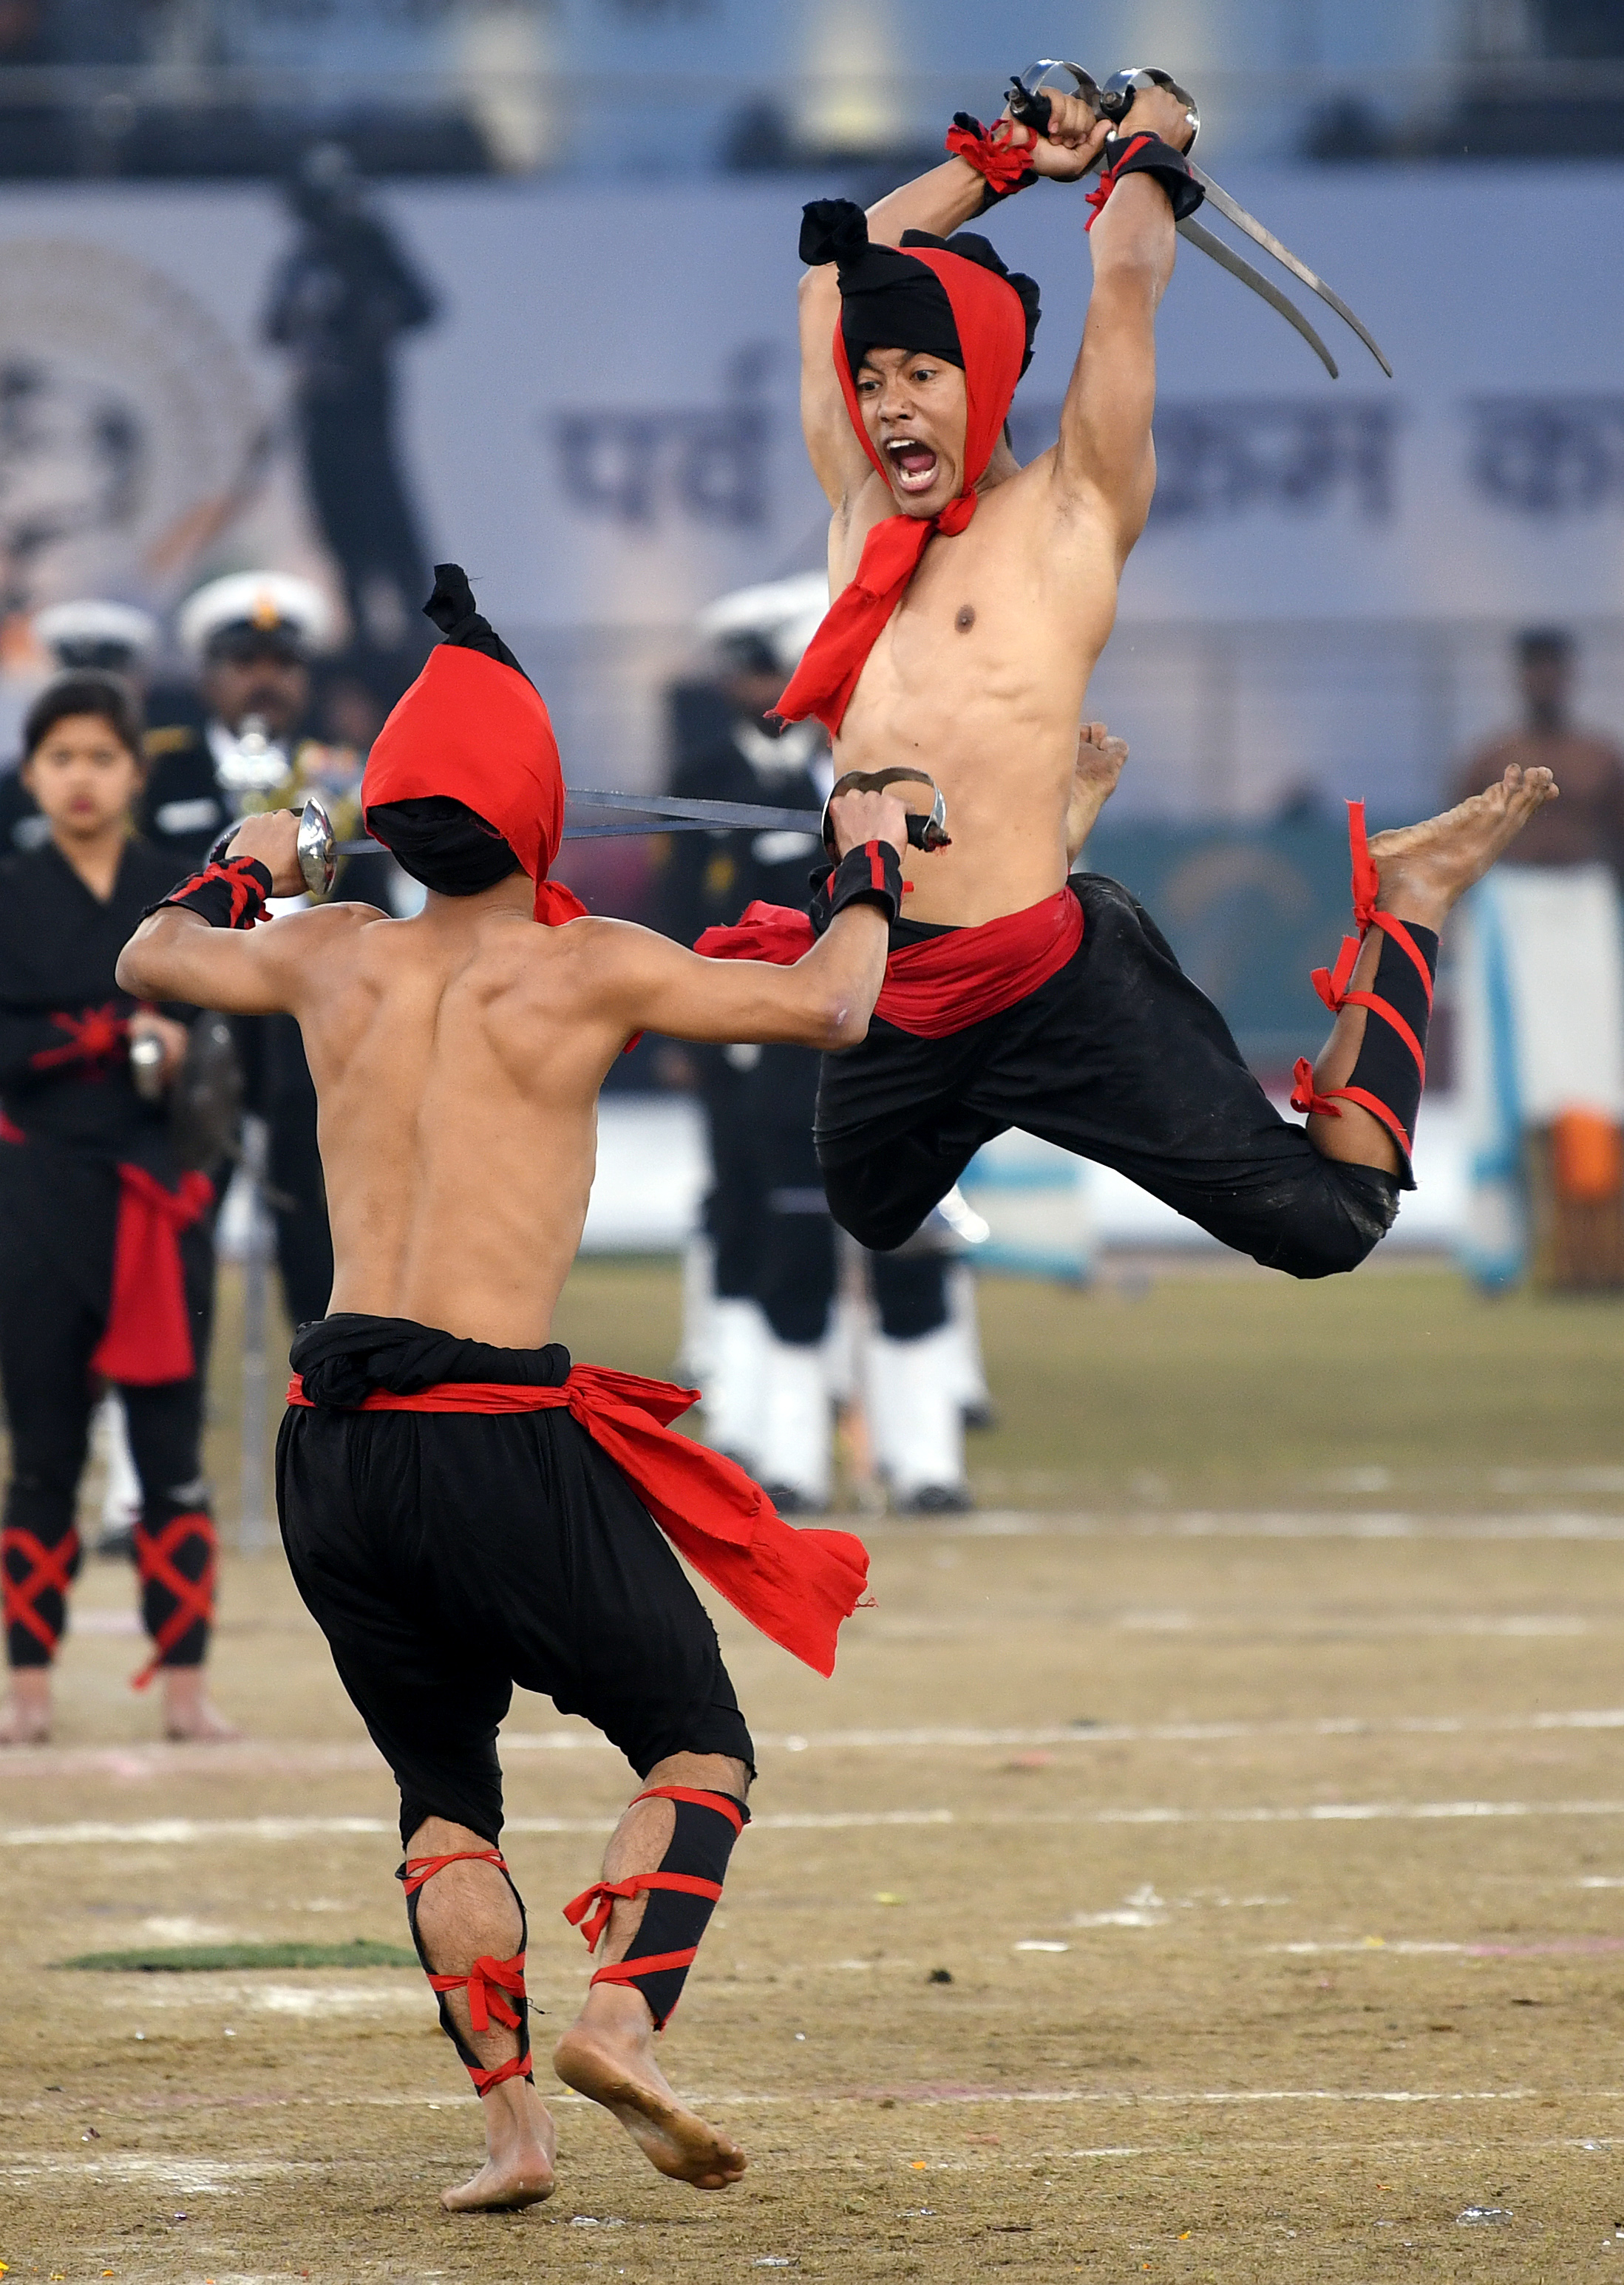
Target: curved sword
column 1233, row 211
column 658, row 813
column 1226, row 259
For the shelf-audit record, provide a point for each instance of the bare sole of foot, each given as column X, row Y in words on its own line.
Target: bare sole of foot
column 502, row 2184
column 1436, row 862
column 674, row 2140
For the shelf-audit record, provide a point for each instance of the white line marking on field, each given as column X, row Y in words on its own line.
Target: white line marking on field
column 1237, row 1524
column 179, row 1831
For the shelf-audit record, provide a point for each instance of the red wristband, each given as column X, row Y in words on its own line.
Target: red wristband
column 1004, row 167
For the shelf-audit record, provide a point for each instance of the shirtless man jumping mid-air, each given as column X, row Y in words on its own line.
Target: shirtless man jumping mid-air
column 463, row 1509
column 972, row 597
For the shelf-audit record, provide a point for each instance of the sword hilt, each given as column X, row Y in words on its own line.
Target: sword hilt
column 1030, row 105
column 927, row 828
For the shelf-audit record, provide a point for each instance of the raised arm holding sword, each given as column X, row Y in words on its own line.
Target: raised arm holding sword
column 972, row 598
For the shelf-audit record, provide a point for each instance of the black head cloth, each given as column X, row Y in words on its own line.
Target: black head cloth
column 888, row 300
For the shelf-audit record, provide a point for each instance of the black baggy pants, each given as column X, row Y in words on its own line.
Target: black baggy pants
column 1119, row 1058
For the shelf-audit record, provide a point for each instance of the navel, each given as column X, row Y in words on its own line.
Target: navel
column 965, row 619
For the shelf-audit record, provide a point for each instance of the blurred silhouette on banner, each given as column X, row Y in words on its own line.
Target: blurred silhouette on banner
column 1541, row 1005
column 785, row 1321
column 343, row 297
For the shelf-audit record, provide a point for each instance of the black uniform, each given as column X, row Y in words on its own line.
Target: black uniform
column 183, row 811
column 766, row 1214
column 71, row 1118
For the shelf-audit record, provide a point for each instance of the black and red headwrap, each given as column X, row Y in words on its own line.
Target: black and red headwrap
column 954, row 298
column 463, row 782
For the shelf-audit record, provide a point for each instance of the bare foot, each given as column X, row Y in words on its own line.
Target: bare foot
column 25, row 1719
column 189, row 1717
column 1095, row 773
column 607, row 2053
column 1426, row 868
column 523, row 2146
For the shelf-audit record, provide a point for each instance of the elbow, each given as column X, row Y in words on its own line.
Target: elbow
column 841, row 1025
column 134, row 973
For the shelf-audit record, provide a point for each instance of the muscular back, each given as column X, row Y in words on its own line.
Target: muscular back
column 457, row 1078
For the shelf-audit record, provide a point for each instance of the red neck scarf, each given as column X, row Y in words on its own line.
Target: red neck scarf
column 992, row 326
column 478, row 731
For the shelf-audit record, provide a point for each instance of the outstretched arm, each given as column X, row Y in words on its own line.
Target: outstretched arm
column 175, row 954
column 940, row 202
column 825, row 999
column 1105, row 456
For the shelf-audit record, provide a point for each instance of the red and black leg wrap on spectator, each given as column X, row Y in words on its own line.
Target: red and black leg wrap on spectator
column 230, row 892
column 682, row 1896
column 37, row 1575
column 1391, row 1070
column 495, row 1987
column 1145, row 154
column 174, row 1547
column 1004, row 167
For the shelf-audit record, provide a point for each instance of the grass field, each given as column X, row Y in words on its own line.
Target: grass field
column 1250, row 1768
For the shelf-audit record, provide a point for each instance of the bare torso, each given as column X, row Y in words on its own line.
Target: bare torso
column 457, row 1080
column 979, row 679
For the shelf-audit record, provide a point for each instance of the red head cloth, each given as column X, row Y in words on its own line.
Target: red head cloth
column 991, row 319
column 476, row 730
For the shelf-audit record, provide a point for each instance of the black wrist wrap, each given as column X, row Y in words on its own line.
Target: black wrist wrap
column 872, row 874
column 231, row 894
column 1147, row 155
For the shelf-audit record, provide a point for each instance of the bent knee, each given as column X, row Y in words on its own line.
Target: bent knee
column 1351, row 1212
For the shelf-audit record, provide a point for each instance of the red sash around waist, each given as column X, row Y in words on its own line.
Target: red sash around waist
column 148, row 1336
column 942, row 984
column 797, row 1586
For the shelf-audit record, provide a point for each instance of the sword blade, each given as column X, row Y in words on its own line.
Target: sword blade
column 1227, row 259
column 658, row 813
column 1233, row 211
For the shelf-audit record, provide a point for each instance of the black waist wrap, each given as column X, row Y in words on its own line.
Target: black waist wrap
column 341, row 1359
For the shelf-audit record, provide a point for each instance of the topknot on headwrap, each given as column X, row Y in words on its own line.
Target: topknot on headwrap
column 459, row 619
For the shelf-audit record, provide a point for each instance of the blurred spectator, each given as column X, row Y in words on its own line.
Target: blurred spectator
column 91, row 1179
column 85, row 634
column 340, row 302
column 240, row 748
column 1541, row 1000
column 1586, row 825
column 770, row 1369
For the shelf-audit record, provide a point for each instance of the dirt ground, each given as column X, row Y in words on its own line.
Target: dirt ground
column 1172, row 1882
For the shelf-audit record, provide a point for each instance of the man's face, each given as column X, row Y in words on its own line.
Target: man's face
column 912, row 405
column 266, row 683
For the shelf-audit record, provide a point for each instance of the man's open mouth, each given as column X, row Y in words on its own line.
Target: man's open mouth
column 914, row 464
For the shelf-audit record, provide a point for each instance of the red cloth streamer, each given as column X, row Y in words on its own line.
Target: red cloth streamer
column 991, row 328
column 1005, row 165
column 797, row 1586
column 486, row 1981
column 417, row 1870
column 603, row 1893
column 148, row 1336
column 940, row 986
column 478, row 731
column 194, row 1598
column 49, row 1568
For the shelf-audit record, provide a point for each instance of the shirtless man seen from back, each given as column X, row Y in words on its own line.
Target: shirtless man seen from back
column 972, row 598
column 463, row 1510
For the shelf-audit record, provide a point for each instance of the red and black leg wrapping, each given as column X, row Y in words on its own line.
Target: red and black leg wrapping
column 175, row 1547
column 1390, row 1069
column 682, row 1896
column 495, row 1987
column 38, row 1569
